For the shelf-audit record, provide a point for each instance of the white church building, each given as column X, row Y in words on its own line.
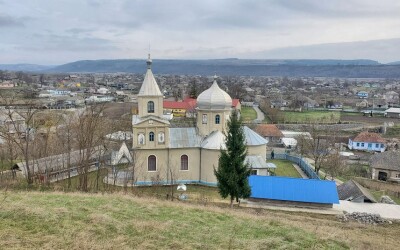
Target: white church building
column 162, row 153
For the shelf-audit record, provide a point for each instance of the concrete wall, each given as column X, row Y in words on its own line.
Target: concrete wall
column 158, row 105
column 260, row 150
column 364, row 146
column 209, row 160
column 168, row 163
column 392, row 115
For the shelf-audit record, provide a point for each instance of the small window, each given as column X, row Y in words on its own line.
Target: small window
column 204, row 118
column 217, row 119
column 382, row 145
column 253, row 172
column 151, row 136
column 152, row 163
column 184, row 162
column 358, row 144
column 370, row 145
column 377, row 145
column 141, row 139
column 150, row 107
column 362, row 144
column 397, row 175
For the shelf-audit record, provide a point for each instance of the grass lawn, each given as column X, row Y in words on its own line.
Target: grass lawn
column 312, row 116
column 5, row 166
column 33, row 220
column 285, row 168
column 196, row 193
column 378, row 194
column 248, row 114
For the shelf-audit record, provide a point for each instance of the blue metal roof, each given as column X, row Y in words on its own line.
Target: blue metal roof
column 293, row 189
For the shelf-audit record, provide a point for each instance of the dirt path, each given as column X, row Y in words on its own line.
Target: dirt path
column 260, row 114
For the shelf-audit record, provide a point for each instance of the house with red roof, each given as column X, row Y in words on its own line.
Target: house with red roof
column 367, row 141
column 187, row 107
column 183, row 108
column 236, row 104
column 270, row 132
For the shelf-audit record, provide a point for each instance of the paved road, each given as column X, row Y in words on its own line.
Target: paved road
column 387, row 211
column 260, row 114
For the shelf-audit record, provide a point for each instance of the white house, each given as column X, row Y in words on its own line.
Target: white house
column 367, row 142
column 392, row 113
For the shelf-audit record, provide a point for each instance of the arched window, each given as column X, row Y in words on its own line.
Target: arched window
column 184, row 162
column 217, row 119
column 151, row 136
column 152, row 163
column 150, row 107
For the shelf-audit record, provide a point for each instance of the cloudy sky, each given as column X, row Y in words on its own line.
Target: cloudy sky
column 61, row 31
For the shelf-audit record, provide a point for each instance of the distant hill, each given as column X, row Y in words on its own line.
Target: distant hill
column 394, row 63
column 24, row 67
column 232, row 66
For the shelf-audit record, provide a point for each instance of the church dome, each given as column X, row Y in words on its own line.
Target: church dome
column 214, row 98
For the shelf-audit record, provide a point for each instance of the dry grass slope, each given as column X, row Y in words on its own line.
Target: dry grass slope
column 33, row 220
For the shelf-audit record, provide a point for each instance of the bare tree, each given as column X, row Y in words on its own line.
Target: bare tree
column 318, row 145
column 90, row 130
column 334, row 165
column 18, row 129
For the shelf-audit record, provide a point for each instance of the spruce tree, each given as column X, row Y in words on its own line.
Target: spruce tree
column 233, row 172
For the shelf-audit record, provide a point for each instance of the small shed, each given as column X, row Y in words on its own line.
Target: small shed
column 258, row 165
column 293, row 191
column 353, row 191
column 392, row 112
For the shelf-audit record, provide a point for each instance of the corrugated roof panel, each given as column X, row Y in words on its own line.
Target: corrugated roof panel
column 293, row 189
column 183, row 138
column 215, row 140
column 256, row 161
column 252, row 138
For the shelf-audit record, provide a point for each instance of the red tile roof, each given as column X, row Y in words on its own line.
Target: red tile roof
column 187, row 104
column 268, row 130
column 235, row 102
column 369, row 137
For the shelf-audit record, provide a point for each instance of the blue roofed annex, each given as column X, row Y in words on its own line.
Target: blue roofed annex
column 293, row 189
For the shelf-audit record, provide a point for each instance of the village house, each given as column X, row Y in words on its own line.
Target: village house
column 270, row 132
column 367, row 141
column 392, row 113
column 362, row 94
column 386, row 166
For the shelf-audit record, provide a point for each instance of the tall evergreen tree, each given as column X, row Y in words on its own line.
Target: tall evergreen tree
column 232, row 173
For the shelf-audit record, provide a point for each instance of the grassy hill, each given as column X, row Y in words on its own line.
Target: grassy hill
column 48, row 220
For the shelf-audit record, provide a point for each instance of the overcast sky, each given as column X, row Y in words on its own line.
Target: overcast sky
column 61, row 31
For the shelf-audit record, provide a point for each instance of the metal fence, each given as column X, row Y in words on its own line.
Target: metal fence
column 307, row 168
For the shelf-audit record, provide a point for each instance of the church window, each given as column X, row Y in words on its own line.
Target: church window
column 217, row 119
column 184, row 162
column 161, row 137
column 151, row 136
column 204, row 119
column 150, row 107
column 141, row 139
column 152, row 163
